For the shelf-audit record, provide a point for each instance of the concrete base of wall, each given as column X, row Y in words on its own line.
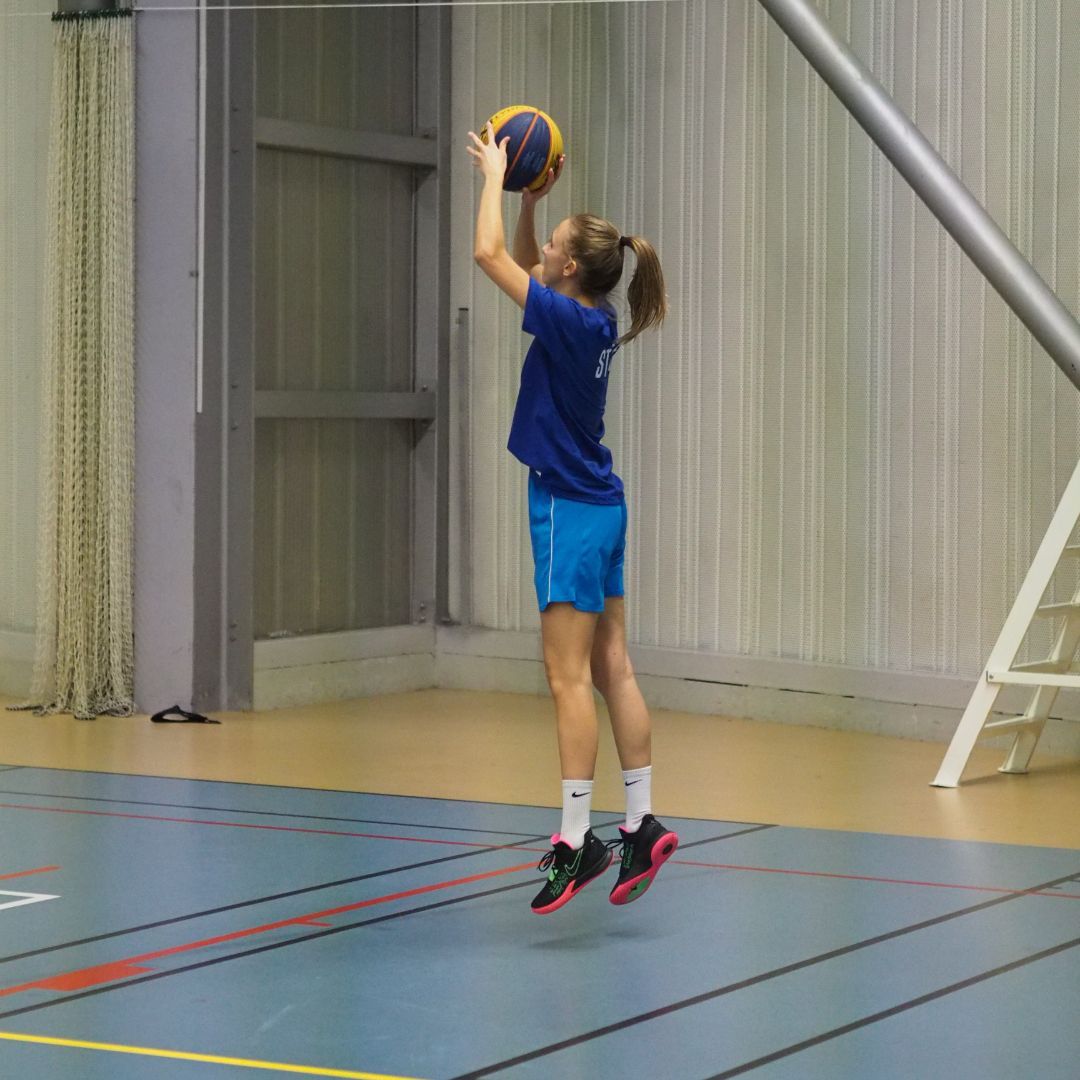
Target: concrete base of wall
column 927, row 723
column 917, row 706
column 15, row 678
column 920, row 707
column 16, row 663
column 284, row 687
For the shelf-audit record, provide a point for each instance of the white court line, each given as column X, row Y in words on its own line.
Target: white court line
column 25, row 898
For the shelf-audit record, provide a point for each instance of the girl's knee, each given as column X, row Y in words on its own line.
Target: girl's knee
column 565, row 678
column 610, row 670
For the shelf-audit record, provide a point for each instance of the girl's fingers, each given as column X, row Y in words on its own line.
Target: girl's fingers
column 490, row 143
column 486, row 154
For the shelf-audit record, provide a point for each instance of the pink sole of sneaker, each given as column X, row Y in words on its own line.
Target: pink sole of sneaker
column 572, row 892
column 662, row 850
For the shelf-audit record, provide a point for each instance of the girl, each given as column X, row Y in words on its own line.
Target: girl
column 577, row 512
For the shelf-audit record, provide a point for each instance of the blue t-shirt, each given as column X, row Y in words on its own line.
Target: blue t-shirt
column 559, row 416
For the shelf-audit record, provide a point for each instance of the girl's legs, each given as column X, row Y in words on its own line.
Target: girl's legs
column 647, row 844
column 613, row 676
column 582, row 650
column 568, row 638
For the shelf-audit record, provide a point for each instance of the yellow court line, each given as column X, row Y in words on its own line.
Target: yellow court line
column 181, row 1055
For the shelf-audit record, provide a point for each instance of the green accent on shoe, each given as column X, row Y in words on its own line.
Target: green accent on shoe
column 560, row 876
column 643, row 852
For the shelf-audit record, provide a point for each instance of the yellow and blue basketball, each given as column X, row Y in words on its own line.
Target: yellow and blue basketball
column 535, row 145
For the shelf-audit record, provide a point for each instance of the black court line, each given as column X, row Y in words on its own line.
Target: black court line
column 865, row 1021
column 329, row 791
column 263, row 813
column 725, row 836
column 269, row 899
column 276, row 896
column 744, row 984
column 325, row 885
column 291, row 941
column 266, row 948
column 11, row 768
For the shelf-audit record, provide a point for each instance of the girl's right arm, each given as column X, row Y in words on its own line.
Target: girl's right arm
column 526, row 251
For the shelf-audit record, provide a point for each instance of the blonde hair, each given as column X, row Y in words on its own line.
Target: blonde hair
column 598, row 249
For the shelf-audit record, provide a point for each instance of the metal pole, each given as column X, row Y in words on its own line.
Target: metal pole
column 1030, row 298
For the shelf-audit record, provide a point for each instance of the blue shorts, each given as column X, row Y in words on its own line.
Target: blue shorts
column 578, row 549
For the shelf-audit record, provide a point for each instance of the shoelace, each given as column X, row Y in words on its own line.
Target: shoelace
column 625, row 854
column 627, row 845
column 557, row 874
column 546, row 861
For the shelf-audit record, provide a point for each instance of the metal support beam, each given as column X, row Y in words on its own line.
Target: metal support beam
column 344, row 405
column 1030, row 298
column 223, row 583
column 436, row 55
column 431, row 315
column 339, row 142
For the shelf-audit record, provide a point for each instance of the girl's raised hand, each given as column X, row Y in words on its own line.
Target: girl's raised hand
column 531, row 198
column 487, row 157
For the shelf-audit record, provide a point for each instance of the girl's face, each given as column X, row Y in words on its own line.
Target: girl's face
column 558, row 263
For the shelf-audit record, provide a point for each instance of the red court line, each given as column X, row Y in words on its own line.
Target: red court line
column 475, row 844
column 267, row 828
column 883, row 880
column 83, row 978
column 27, row 873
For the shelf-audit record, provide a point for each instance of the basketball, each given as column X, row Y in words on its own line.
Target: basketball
column 535, row 145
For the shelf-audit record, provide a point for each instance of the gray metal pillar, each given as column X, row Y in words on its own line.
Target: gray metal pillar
column 1030, row 298
column 166, row 241
column 224, row 646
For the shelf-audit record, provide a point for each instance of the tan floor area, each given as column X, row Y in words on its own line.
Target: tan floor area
column 501, row 748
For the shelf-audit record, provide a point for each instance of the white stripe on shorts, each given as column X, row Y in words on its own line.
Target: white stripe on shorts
column 551, row 550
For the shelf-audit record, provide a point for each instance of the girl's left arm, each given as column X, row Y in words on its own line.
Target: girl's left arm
column 490, row 250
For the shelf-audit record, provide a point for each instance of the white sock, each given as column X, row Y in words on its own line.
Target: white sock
column 576, row 805
column 638, row 784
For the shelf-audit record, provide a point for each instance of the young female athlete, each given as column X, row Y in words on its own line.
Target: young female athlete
column 577, row 512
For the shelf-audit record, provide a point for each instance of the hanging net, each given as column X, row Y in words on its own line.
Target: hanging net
column 83, row 662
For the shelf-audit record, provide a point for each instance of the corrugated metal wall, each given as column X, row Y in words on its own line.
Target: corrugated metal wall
column 25, row 78
column 334, row 311
column 842, row 447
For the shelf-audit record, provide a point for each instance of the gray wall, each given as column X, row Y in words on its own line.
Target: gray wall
column 166, row 157
column 333, row 311
column 25, row 80
column 842, row 449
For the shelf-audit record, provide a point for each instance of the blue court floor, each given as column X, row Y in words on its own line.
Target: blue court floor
column 155, row 928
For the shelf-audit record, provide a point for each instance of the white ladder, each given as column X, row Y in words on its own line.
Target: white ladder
column 1047, row 676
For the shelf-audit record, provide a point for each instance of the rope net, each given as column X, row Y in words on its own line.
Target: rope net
column 83, row 662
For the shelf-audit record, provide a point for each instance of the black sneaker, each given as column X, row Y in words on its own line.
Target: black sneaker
column 643, row 853
column 569, row 871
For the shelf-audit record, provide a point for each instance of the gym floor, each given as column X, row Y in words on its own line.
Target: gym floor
column 343, row 890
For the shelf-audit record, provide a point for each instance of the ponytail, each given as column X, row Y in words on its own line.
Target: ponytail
column 598, row 249
column 648, row 301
